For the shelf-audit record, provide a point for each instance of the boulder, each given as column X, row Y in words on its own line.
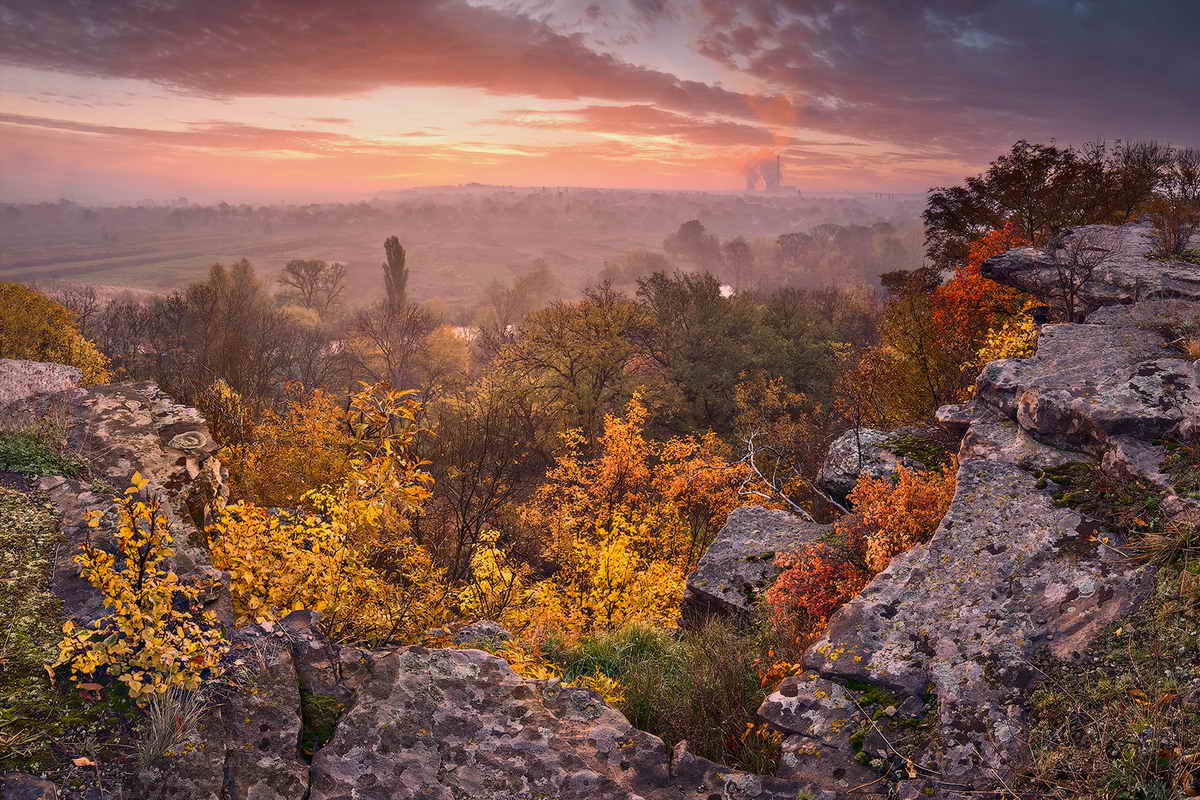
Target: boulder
column 1129, row 275
column 20, row 380
column 18, row 786
column 740, row 563
column 874, row 453
column 1007, row 578
column 447, row 724
column 484, row 631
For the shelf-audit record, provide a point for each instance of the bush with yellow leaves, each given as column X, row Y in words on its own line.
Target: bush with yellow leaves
column 35, row 328
column 346, row 550
column 156, row 638
column 1015, row 338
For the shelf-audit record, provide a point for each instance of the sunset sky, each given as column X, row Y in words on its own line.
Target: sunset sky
column 267, row 100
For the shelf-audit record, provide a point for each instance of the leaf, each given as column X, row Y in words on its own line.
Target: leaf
column 90, row 687
column 1138, row 696
column 83, row 761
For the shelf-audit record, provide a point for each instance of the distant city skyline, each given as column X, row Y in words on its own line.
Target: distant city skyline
column 305, row 100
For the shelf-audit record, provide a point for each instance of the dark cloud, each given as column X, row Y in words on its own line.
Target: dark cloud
column 969, row 76
column 319, row 48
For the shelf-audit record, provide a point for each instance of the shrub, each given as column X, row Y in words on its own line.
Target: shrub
column 347, row 551
column 1175, row 222
column 902, row 513
column 816, row 581
column 29, row 454
column 155, row 638
column 35, row 328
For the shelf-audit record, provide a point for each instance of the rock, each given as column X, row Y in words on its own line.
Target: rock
column 445, row 724
column 740, row 563
column 1007, row 578
column 485, row 631
column 18, row 786
column 20, row 380
column 121, row 429
column 1130, row 275
column 1088, row 384
column 819, row 718
column 864, row 451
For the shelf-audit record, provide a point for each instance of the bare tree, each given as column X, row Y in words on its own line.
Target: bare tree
column 317, row 285
column 1076, row 256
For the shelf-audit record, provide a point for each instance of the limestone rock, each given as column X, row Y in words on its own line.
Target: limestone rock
column 740, row 563
column 447, row 724
column 18, row 786
column 1130, row 275
column 20, row 380
column 875, row 453
column 1007, row 577
column 484, row 631
column 819, row 718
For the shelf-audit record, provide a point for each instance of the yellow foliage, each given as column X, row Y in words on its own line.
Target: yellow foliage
column 346, row 552
column 1016, row 338
column 285, row 453
column 154, row 639
column 35, row 328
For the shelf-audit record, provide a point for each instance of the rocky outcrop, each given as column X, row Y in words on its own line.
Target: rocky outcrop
column 740, row 563
column 874, row 453
column 1127, row 276
column 117, row 430
column 1010, row 578
column 445, row 724
column 20, row 380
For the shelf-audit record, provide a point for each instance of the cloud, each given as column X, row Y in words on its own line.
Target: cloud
column 330, row 120
column 647, row 120
column 969, row 76
column 318, row 48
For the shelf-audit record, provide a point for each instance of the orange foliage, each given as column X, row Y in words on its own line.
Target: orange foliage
column 969, row 305
column 903, row 513
column 815, row 582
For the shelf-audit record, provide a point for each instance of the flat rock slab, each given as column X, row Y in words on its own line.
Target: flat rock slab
column 740, row 563
column 450, row 724
column 1006, row 578
column 1090, row 383
column 1130, row 275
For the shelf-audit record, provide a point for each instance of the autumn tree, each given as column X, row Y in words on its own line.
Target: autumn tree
column 577, row 356
column 395, row 277
column 693, row 242
column 35, row 328
column 739, row 262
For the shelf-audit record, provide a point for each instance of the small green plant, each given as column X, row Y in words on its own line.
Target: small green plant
column 924, row 450
column 319, row 715
column 1120, row 504
column 29, row 454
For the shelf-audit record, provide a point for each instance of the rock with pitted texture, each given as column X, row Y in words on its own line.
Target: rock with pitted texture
column 449, row 724
column 740, row 563
column 858, row 451
column 1129, row 275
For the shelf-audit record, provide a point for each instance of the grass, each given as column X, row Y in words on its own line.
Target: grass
column 35, row 718
column 31, row 453
column 700, row 685
column 1121, row 505
column 1124, row 724
column 1182, row 464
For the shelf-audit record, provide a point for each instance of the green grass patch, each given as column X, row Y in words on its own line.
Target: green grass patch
column 35, row 718
column 1120, row 504
column 700, row 685
column 1182, row 464
column 30, row 454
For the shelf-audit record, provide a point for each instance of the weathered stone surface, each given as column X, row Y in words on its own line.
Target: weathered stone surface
column 740, row 563
column 20, row 380
column 1090, row 383
column 121, row 429
column 819, row 718
column 1006, row 577
column 1130, row 275
column 861, row 451
column 18, row 786
column 448, row 724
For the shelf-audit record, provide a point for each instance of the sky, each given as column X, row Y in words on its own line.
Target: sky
column 323, row 100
